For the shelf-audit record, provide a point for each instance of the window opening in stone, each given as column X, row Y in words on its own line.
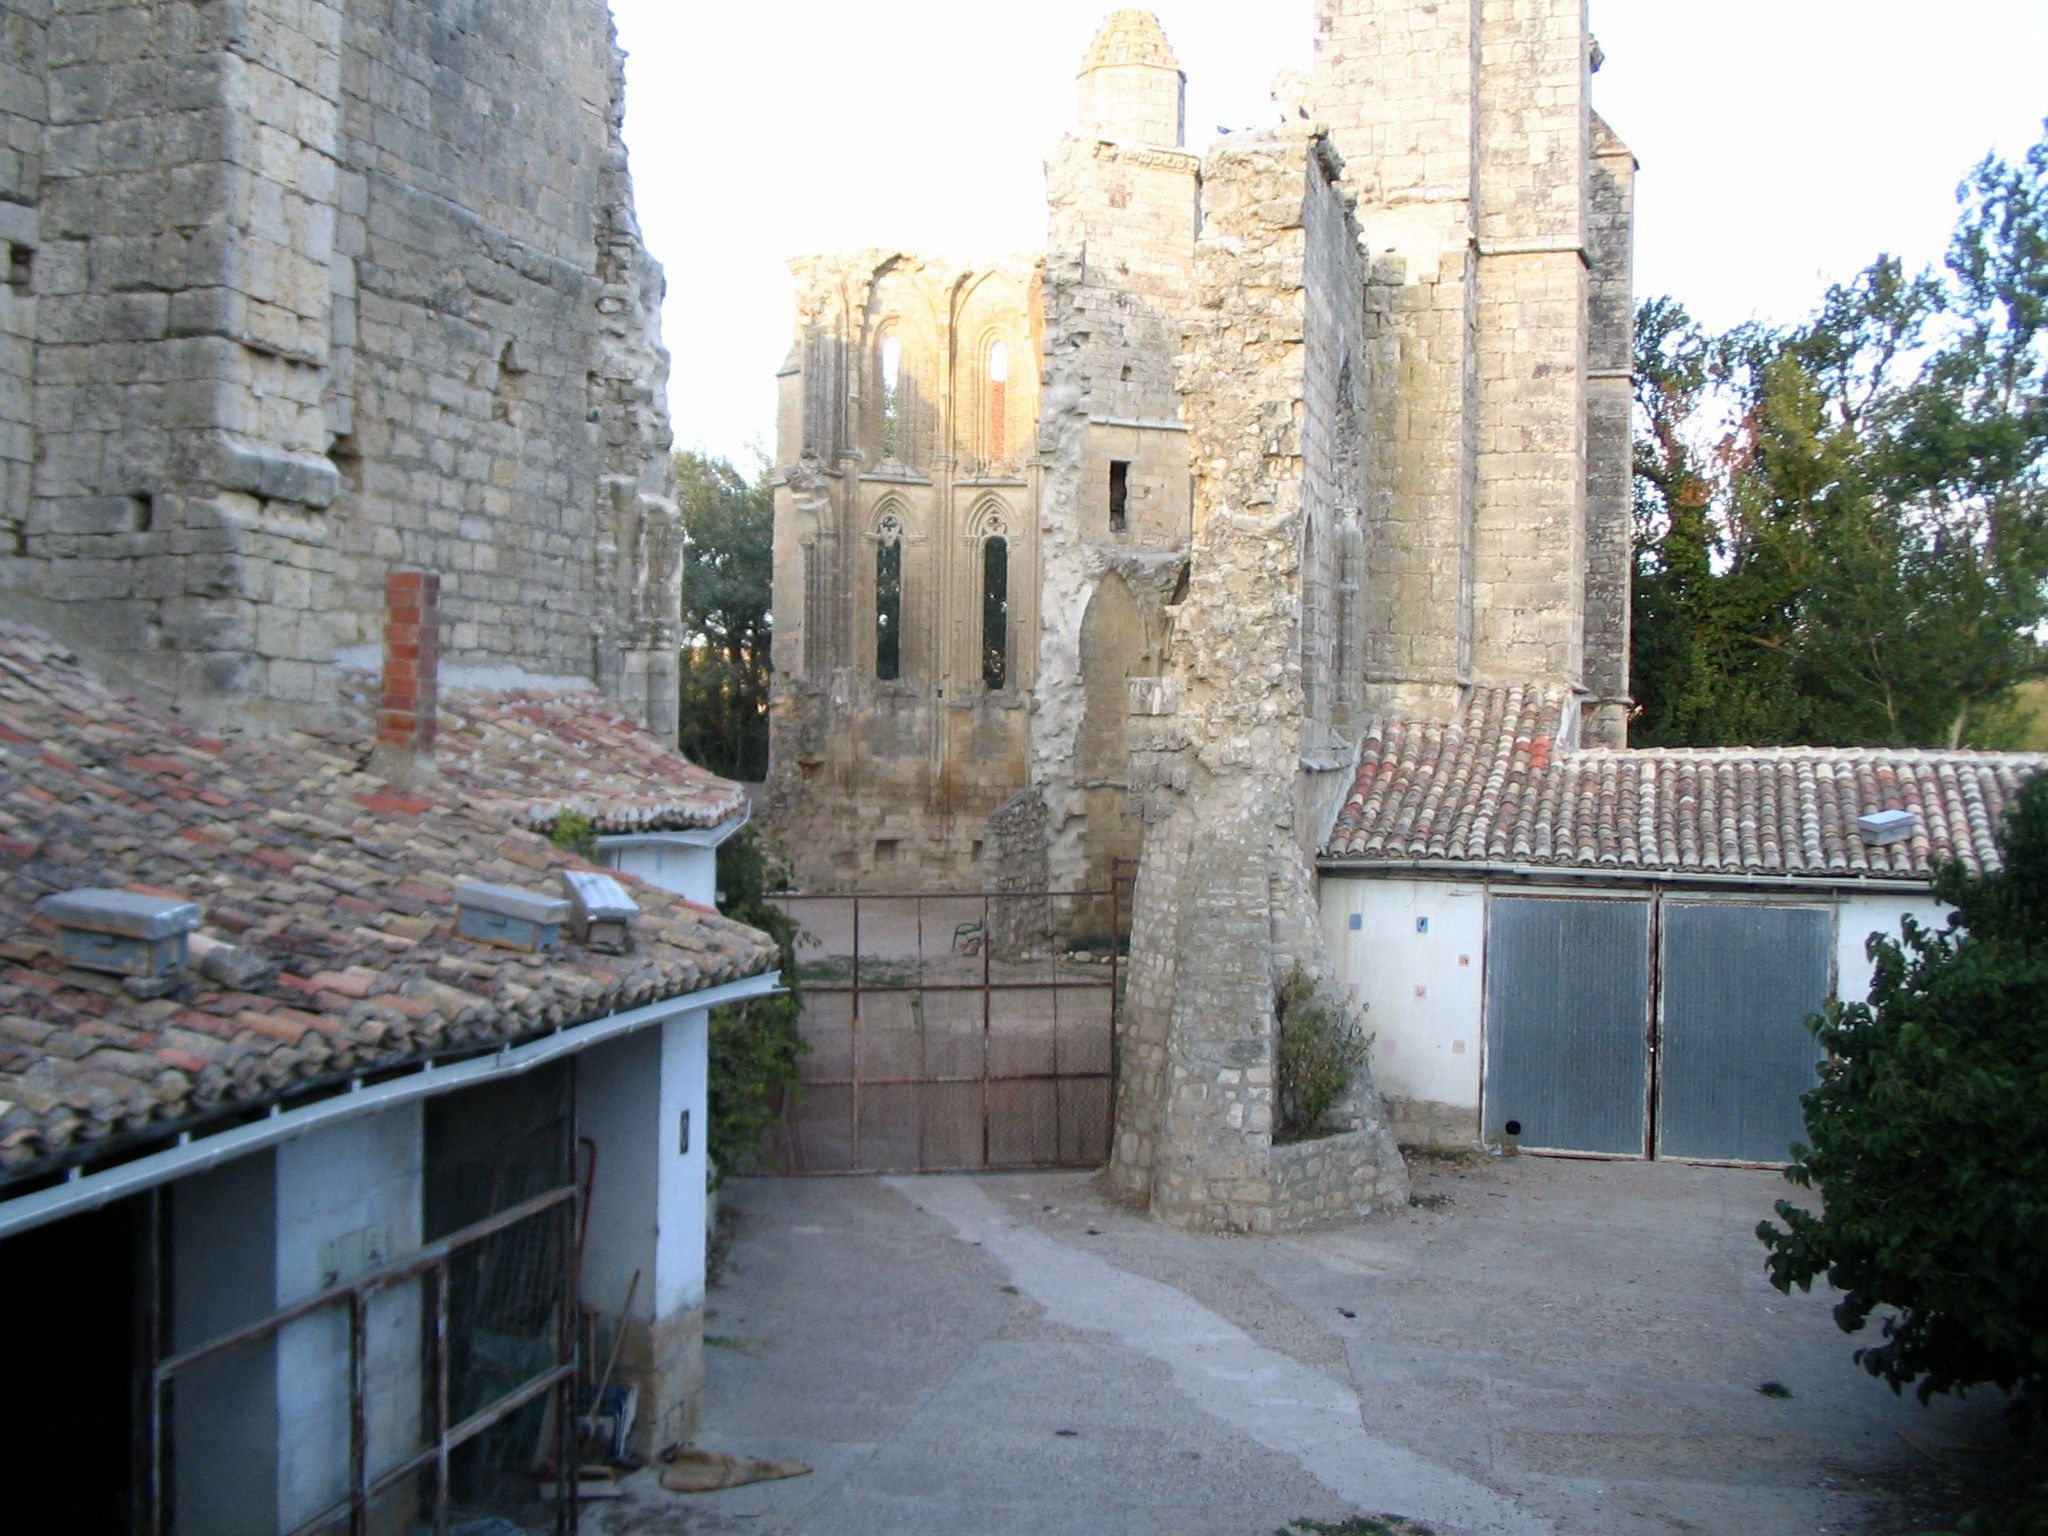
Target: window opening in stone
column 998, row 401
column 995, row 611
column 892, row 401
column 21, row 267
column 142, row 512
column 1119, row 494
column 347, row 460
column 886, row 849
column 889, row 609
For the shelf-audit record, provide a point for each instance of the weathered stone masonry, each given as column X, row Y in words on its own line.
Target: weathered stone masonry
column 309, row 289
column 1272, row 375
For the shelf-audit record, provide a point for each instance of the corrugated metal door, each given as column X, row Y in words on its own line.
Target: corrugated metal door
column 1738, row 984
column 1567, row 1022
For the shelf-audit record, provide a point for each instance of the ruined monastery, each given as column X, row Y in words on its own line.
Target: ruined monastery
column 1271, row 532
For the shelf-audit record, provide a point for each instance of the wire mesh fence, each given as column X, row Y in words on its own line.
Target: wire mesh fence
column 952, row 1031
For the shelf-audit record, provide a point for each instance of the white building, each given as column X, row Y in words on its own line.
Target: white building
column 1614, row 952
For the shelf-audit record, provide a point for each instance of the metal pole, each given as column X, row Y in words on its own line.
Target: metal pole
column 358, row 1417
column 437, row 1282
column 853, row 1044
column 145, row 1483
column 985, row 995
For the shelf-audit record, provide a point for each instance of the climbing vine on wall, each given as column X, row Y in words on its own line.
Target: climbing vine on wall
column 755, row 1045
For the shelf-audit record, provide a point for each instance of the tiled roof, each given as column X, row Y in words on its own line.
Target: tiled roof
column 531, row 755
column 1493, row 787
column 292, row 851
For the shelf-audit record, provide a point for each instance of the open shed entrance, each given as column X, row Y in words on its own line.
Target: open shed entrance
column 1653, row 1026
column 952, row 1031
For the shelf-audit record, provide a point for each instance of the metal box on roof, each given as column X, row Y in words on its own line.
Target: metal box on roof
column 1880, row 827
column 121, row 932
column 602, row 911
column 509, row 917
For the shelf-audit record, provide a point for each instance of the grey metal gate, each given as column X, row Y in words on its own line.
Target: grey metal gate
column 1739, row 981
column 1567, row 1023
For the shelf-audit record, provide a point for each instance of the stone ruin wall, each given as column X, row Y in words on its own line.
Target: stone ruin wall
column 315, row 288
column 1498, row 212
column 889, row 783
column 1225, row 905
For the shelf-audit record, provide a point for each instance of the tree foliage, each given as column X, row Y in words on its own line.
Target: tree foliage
column 754, row 1044
column 1842, row 525
column 726, row 620
column 1929, row 1138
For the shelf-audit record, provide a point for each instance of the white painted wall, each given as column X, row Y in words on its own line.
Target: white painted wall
column 1423, row 992
column 261, row 1437
column 647, row 1207
column 685, row 862
column 1860, row 917
column 348, row 1201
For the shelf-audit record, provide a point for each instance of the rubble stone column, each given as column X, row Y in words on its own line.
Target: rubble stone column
column 1225, row 906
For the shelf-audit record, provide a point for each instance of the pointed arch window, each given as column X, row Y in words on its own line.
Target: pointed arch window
column 995, row 612
column 890, row 364
column 889, row 598
column 997, row 426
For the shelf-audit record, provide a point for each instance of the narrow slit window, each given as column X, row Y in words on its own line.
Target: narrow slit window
column 889, row 610
column 998, row 401
column 1119, row 495
column 995, row 612
column 892, row 394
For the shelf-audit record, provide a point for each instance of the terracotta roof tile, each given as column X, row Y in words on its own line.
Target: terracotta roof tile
column 342, row 881
column 1494, row 787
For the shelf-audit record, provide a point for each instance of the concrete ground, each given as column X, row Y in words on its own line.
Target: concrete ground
column 1552, row 1346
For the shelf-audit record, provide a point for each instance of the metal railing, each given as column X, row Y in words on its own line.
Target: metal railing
column 875, row 975
column 430, row 1265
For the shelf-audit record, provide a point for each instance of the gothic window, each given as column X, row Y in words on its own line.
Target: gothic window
column 998, row 424
column 1119, row 495
column 891, row 367
column 995, row 612
column 889, row 598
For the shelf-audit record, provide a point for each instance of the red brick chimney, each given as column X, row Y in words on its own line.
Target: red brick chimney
column 412, row 662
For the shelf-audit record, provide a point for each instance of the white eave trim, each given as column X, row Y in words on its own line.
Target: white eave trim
column 686, row 837
column 89, row 1191
column 1469, row 869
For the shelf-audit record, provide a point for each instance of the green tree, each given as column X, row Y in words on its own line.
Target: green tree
column 1929, row 1138
column 726, row 620
column 1842, row 526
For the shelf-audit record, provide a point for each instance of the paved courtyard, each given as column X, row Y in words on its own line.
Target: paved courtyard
column 1554, row 1346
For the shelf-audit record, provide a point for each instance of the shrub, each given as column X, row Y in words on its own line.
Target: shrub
column 754, row 1044
column 1929, row 1138
column 575, row 833
column 1321, row 1050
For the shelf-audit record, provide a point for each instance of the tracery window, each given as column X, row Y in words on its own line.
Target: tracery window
column 995, row 612
column 889, row 598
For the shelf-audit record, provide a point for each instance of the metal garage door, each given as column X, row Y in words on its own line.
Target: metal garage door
column 1738, row 984
column 1567, row 1022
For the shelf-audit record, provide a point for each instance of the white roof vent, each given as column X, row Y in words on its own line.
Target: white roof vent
column 1881, row 827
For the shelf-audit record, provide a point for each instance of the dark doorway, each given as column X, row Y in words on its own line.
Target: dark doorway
column 67, row 1417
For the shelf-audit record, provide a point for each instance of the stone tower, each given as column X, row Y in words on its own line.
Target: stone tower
column 272, row 326
column 1498, row 209
column 1122, row 197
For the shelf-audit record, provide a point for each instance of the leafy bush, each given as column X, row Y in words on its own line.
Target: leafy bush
column 576, row 833
column 1321, row 1050
column 754, row 1044
column 1929, row 1136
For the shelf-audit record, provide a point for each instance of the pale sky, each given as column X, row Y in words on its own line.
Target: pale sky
column 1784, row 143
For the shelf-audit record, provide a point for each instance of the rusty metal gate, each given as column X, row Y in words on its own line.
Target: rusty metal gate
column 952, row 1030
